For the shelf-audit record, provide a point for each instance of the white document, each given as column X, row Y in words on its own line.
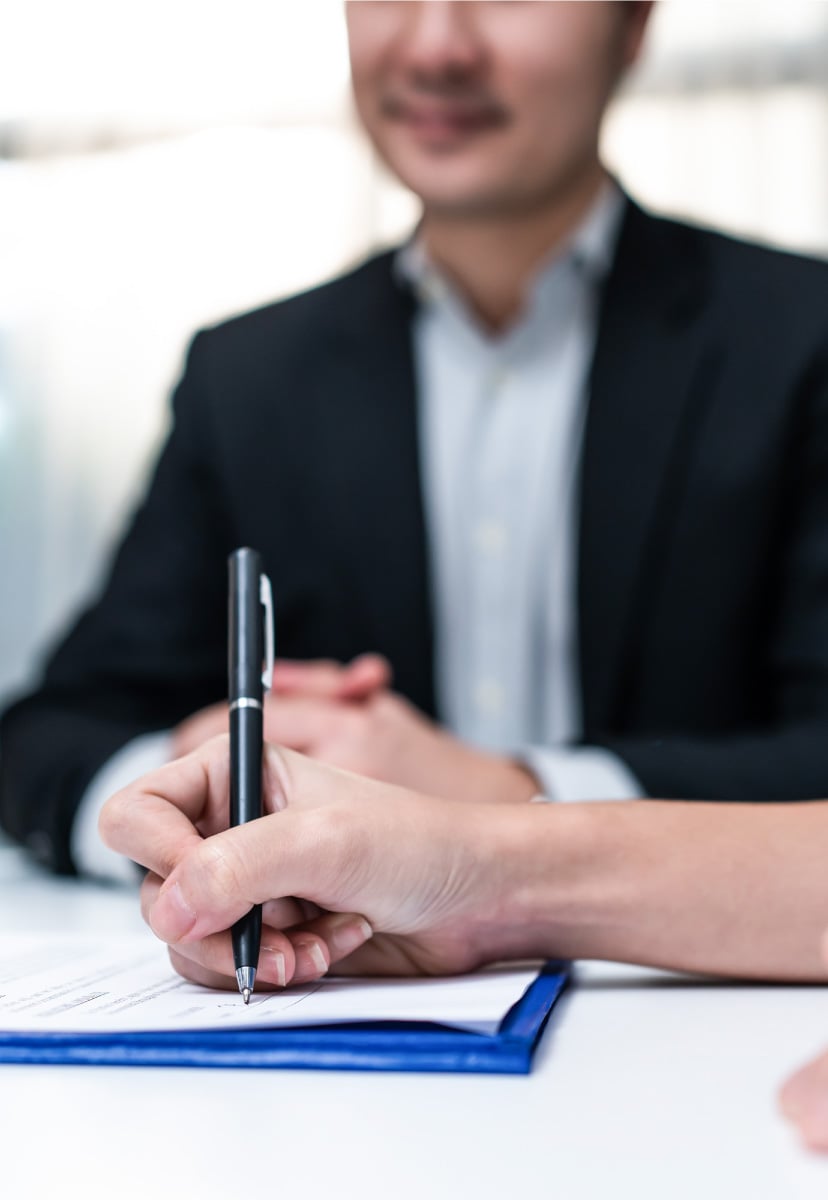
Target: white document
column 69, row 985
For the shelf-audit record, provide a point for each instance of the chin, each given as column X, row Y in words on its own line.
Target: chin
column 470, row 202
column 440, row 174
column 463, row 206
column 445, row 189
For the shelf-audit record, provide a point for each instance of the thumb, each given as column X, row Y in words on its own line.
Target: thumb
column 224, row 876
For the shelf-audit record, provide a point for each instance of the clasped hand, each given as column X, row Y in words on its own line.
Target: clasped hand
column 348, row 716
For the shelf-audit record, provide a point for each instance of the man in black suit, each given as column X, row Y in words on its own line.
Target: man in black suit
column 642, row 611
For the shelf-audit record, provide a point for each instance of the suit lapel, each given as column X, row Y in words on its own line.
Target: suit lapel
column 645, row 372
column 374, row 479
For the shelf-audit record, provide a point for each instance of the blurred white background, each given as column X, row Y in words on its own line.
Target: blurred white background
column 165, row 164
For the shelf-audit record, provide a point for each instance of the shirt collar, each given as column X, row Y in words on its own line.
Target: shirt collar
column 590, row 249
column 593, row 243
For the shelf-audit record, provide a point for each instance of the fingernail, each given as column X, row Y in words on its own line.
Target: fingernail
column 171, row 916
column 276, row 965
column 348, row 935
column 317, row 957
column 314, row 953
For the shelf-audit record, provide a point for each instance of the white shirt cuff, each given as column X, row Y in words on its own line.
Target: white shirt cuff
column 581, row 773
column 136, row 758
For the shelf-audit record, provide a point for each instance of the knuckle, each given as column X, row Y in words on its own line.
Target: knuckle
column 219, row 863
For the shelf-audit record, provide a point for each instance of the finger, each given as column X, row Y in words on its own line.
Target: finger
column 281, row 961
column 321, row 678
column 199, row 728
column 294, row 955
column 142, row 823
column 336, row 934
column 277, row 958
column 285, row 913
column 278, row 914
column 292, row 853
column 326, row 679
column 159, row 818
column 309, row 967
column 804, row 1101
column 367, row 674
column 291, row 949
column 300, row 722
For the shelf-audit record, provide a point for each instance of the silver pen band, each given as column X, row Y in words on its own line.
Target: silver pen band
column 245, row 702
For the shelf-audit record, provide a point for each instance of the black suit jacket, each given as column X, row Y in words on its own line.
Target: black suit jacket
column 703, row 544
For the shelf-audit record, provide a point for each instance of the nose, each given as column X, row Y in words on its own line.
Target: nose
column 440, row 38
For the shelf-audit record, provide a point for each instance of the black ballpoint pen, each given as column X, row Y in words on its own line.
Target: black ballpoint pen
column 250, row 669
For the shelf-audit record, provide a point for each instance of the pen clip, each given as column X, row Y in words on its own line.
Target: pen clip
column 266, row 600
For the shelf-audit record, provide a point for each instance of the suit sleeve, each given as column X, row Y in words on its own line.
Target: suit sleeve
column 785, row 757
column 148, row 652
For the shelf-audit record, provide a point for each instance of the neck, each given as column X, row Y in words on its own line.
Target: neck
column 492, row 258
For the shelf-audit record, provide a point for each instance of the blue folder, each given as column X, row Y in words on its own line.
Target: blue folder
column 387, row 1046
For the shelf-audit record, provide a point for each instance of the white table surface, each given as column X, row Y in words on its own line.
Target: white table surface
column 646, row 1085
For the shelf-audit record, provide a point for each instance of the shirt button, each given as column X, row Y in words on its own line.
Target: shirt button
column 488, row 697
column 490, row 537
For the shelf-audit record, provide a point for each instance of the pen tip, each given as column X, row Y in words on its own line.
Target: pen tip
column 246, row 978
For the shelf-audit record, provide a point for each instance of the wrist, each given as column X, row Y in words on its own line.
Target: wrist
column 546, row 900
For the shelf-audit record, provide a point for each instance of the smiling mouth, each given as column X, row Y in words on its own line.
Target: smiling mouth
column 436, row 121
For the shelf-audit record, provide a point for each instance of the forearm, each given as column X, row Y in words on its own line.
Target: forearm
column 724, row 889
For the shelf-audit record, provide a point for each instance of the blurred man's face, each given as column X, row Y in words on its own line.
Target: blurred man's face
column 488, row 107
